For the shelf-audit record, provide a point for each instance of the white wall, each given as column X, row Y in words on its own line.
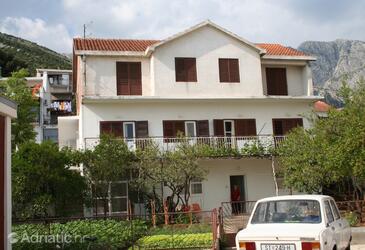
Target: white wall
column 155, row 112
column 68, row 127
column 258, row 180
column 101, row 75
column 207, row 45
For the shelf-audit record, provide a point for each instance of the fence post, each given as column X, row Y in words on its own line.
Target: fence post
column 214, row 227
column 166, row 215
column 153, row 210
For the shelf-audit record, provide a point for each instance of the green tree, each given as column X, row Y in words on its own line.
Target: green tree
column 42, row 181
column 16, row 89
column 175, row 169
column 110, row 161
column 332, row 152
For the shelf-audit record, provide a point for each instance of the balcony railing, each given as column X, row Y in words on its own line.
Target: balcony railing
column 212, row 145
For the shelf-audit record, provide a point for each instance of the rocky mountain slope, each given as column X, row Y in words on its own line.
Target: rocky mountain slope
column 16, row 53
column 337, row 61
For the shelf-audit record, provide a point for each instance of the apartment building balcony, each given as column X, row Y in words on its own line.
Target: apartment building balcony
column 215, row 146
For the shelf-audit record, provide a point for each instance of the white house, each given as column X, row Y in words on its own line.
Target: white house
column 7, row 112
column 205, row 82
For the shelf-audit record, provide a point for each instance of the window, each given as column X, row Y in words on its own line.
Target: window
column 287, row 211
column 328, row 211
column 128, row 129
column 125, row 129
column 335, row 211
column 190, row 129
column 129, row 78
column 229, row 70
column 116, row 198
column 283, row 126
column 185, row 69
column 228, row 128
column 276, row 81
column 196, row 187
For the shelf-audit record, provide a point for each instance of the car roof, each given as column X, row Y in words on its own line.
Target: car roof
column 316, row 197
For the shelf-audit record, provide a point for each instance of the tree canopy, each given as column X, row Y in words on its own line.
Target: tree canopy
column 16, row 89
column 331, row 154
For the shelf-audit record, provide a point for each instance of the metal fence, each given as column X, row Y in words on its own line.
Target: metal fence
column 177, row 230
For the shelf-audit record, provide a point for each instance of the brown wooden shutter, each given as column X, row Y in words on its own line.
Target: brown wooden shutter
column 190, row 66
column 180, row 69
column 179, row 128
column 168, row 128
column 202, row 128
column 114, row 128
column 276, row 81
column 185, row 69
column 234, row 71
column 129, row 78
column 283, row 126
column 218, row 127
column 141, row 129
column 223, row 70
column 135, row 78
column 122, row 78
column 245, row 127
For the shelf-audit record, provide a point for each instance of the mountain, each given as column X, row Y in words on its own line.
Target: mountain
column 337, row 61
column 16, row 53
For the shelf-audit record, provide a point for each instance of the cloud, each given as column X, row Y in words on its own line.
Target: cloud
column 55, row 37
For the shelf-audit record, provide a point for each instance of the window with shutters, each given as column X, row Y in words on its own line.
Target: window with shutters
column 126, row 129
column 185, row 69
column 276, row 81
column 129, row 78
column 229, row 70
column 283, row 126
column 172, row 129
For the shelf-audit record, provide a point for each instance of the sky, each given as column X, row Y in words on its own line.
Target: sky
column 53, row 23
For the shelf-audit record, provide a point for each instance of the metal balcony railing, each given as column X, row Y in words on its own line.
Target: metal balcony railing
column 262, row 143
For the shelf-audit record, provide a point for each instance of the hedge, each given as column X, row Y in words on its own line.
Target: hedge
column 109, row 233
column 177, row 241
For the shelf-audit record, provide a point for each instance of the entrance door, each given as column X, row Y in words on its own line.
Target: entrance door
column 129, row 134
column 237, row 184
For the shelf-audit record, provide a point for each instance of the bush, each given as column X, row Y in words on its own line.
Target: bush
column 352, row 218
column 108, row 233
column 188, row 229
column 177, row 241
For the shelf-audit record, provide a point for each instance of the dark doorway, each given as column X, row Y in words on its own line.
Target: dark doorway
column 237, row 185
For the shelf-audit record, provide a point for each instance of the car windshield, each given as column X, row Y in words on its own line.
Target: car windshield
column 287, row 211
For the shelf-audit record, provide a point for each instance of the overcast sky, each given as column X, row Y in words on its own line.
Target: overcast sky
column 53, row 23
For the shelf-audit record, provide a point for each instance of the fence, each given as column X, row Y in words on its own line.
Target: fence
column 177, row 230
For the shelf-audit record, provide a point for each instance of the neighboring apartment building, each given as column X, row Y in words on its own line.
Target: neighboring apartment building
column 204, row 82
column 7, row 112
column 55, row 99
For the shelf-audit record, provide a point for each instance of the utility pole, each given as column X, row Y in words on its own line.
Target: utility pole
column 84, row 26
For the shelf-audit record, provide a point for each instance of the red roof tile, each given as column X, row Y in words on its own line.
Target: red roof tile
column 274, row 49
column 98, row 44
column 112, row 44
column 320, row 106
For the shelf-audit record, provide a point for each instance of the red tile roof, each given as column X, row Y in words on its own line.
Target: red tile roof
column 97, row 44
column 320, row 106
column 112, row 44
column 274, row 49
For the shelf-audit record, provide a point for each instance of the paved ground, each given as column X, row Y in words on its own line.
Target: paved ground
column 358, row 247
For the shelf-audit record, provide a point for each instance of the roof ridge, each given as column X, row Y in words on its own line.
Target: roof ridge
column 113, row 39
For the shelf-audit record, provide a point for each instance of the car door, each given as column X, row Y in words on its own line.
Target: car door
column 344, row 229
column 333, row 228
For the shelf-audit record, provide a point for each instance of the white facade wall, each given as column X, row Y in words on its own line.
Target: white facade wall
column 101, row 75
column 155, row 112
column 207, row 45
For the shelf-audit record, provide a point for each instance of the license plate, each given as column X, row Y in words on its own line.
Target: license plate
column 277, row 247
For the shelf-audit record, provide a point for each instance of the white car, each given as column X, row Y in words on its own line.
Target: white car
column 296, row 222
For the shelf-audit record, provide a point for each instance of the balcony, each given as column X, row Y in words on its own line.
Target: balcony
column 212, row 146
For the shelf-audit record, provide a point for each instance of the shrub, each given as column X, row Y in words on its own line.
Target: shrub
column 108, row 233
column 177, row 241
column 352, row 218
